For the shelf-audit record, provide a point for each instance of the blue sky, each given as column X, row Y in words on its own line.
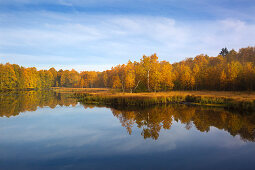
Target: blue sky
column 98, row 34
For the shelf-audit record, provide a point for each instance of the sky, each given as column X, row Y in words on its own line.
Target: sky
column 99, row 34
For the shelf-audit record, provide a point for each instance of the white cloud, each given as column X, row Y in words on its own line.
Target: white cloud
column 77, row 67
column 78, row 38
column 60, row 62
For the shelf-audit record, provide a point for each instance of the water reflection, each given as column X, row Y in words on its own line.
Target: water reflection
column 149, row 120
column 152, row 120
column 13, row 103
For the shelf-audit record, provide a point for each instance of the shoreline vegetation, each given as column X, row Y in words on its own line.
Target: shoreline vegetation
column 236, row 100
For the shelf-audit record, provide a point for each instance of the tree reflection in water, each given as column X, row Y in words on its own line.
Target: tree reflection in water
column 13, row 103
column 150, row 120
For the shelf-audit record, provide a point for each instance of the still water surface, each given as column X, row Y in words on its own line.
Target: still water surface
column 40, row 130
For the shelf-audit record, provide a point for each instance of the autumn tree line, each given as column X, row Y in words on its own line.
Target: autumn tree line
column 14, row 77
column 230, row 70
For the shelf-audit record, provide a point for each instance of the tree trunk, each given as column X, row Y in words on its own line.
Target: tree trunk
column 148, row 80
column 122, row 87
column 137, row 85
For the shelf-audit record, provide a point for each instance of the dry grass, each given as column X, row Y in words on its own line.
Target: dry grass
column 234, row 100
column 80, row 90
column 240, row 96
column 235, row 95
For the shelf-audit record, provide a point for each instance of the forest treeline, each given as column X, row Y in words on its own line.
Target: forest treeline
column 230, row 70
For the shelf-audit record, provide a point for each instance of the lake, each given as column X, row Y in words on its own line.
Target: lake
column 47, row 130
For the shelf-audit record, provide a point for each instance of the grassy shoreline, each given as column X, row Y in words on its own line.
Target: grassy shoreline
column 242, row 101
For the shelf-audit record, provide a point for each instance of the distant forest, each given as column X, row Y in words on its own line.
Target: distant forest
column 230, row 70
